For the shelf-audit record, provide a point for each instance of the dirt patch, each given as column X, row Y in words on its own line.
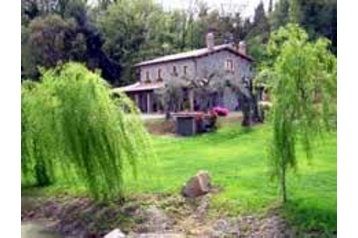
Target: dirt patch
column 81, row 217
column 167, row 127
column 150, row 214
column 160, row 126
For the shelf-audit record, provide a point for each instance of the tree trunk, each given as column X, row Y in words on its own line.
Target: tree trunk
column 167, row 115
column 191, row 99
column 42, row 176
column 41, row 171
column 262, row 113
column 246, row 111
column 256, row 113
column 167, row 110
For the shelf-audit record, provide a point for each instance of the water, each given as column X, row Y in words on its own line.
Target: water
column 36, row 230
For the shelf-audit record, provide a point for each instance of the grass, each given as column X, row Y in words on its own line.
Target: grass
column 236, row 161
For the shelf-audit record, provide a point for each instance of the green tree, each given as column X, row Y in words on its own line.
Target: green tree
column 104, row 4
column 258, row 34
column 35, row 8
column 280, row 15
column 129, row 29
column 73, row 128
column 246, row 27
column 47, row 37
column 261, row 24
column 206, row 86
column 56, row 31
column 248, row 103
column 172, row 95
column 209, row 87
column 28, row 61
column 77, row 10
column 270, row 8
column 303, row 92
column 317, row 17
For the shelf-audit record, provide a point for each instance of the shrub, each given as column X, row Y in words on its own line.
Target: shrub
column 221, row 111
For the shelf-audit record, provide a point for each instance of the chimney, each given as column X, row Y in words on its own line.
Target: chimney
column 210, row 42
column 242, row 47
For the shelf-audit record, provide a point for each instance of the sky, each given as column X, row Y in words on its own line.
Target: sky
column 246, row 7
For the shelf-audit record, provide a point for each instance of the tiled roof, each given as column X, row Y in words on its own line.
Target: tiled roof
column 193, row 54
column 139, row 86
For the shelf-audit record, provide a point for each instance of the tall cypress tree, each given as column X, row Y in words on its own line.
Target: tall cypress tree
column 261, row 26
column 280, row 15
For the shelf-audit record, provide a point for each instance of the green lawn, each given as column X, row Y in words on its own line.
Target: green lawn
column 236, row 161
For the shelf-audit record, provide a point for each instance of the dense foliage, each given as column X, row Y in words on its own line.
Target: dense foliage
column 72, row 126
column 303, row 88
column 317, row 17
column 55, row 32
column 171, row 96
column 113, row 35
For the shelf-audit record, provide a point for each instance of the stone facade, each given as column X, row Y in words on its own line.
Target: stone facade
column 167, row 70
column 217, row 61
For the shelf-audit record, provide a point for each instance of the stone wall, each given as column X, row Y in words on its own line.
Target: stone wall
column 217, row 63
column 167, row 70
column 196, row 67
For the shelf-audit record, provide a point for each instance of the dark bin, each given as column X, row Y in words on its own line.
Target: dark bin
column 186, row 124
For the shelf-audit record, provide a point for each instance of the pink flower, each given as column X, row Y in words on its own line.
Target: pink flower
column 221, row 111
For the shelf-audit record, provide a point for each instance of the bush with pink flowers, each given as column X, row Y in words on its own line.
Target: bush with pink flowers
column 221, row 111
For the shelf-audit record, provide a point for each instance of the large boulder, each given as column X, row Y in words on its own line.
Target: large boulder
column 197, row 186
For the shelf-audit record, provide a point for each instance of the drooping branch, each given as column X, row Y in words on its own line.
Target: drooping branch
column 71, row 125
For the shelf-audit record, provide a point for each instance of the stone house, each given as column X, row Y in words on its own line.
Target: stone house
column 153, row 74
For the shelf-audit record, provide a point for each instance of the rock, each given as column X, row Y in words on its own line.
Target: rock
column 197, row 186
column 116, row 233
column 202, row 209
column 222, row 225
column 158, row 220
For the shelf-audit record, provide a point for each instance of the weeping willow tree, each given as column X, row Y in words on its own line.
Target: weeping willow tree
column 72, row 127
column 303, row 91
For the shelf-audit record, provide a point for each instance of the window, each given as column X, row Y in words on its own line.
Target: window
column 159, row 75
column 175, row 73
column 229, row 65
column 185, row 69
column 147, row 78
